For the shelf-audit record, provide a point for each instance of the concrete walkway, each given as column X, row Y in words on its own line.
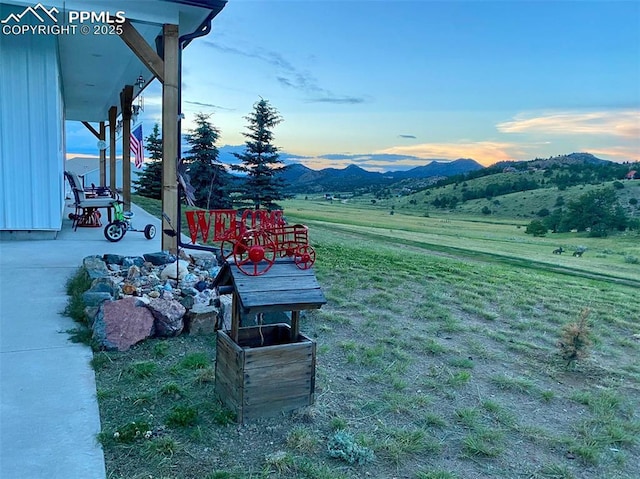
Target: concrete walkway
column 48, row 409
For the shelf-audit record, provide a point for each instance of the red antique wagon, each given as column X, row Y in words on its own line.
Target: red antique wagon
column 254, row 239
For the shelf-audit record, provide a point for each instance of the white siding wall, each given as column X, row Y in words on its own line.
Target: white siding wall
column 31, row 134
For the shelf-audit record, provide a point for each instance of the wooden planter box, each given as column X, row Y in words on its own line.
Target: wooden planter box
column 265, row 372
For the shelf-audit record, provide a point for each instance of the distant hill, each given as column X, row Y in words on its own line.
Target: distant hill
column 560, row 160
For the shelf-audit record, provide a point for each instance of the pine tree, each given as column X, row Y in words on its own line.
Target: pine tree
column 149, row 181
column 260, row 160
column 206, row 174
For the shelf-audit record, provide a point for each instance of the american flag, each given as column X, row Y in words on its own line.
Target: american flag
column 137, row 147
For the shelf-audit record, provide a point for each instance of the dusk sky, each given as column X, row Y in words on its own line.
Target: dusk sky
column 357, row 81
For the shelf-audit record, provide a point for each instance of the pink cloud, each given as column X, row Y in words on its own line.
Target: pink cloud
column 623, row 123
column 484, row 152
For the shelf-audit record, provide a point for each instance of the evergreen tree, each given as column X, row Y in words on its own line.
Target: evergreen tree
column 207, row 175
column 149, row 181
column 261, row 161
column 598, row 210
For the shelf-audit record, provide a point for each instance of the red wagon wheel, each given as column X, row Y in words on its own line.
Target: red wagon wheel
column 288, row 249
column 254, row 253
column 227, row 247
column 305, row 256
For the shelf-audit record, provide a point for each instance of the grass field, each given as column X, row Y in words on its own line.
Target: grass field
column 437, row 358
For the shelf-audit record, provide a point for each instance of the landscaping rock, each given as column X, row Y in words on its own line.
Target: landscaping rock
column 203, row 319
column 160, row 258
column 96, row 298
column 105, row 284
column 187, row 302
column 113, row 259
column 168, row 316
column 96, row 267
column 121, row 324
column 129, row 261
column 175, row 270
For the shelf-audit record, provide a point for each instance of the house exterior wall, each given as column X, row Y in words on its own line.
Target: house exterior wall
column 31, row 135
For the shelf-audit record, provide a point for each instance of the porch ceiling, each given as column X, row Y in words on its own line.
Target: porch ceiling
column 96, row 67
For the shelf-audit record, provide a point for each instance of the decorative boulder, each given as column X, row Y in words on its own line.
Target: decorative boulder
column 160, row 258
column 203, row 319
column 121, row 324
column 175, row 270
column 95, row 266
column 168, row 316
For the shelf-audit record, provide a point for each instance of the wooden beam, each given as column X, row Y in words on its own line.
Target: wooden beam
column 113, row 114
column 126, row 98
column 142, row 50
column 103, row 155
column 170, row 135
column 91, row 129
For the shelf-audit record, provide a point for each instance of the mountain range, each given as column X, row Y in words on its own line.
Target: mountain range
column 303, row 179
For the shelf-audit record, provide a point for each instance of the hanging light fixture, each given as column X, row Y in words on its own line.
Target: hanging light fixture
column 140, row 82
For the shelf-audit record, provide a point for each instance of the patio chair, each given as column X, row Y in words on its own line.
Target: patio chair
column 76, row 182
column 87, row 209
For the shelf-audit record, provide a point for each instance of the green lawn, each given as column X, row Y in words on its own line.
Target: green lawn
column 437, row 357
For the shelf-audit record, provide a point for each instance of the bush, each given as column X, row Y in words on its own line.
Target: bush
column 536, row 228
column 631, row 259
column 486, row 210
column 574, row 342
column 343, row 446
column 543, row 212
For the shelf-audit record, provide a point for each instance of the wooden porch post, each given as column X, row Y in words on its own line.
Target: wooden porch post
column 113, row 113
column 170, row 110
column 126, row 98
column 103, row 155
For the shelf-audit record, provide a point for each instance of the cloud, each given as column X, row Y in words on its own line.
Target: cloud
column 616, row 153
column 484, row 152
column 290, row 76
column 621, row 123
column 337, row 100
column 208, row 105
column 407, row 136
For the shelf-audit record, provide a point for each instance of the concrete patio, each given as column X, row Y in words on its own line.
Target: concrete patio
column 48, row 409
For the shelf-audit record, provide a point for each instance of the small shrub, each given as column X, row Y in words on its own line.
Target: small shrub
column 222, row 416
column 574, row 343
column 182, row 416
column 338, row 423
column 143, row 369
column 171, row 389
column 161, row 349
column 76, row 286
column 343, row 446
column 195, row 361
column 438, row 474
column 281, row 461
column 630, row 259
column 302, row 440
column 127, row 434
column 164, row 446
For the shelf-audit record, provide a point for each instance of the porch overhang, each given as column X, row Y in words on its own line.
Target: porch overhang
column 96, row 65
